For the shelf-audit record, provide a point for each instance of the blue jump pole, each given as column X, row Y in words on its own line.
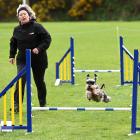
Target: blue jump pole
column 134, row 91
column 57, row 70
column 121, row 61
column 28, row 80
column 72, row 60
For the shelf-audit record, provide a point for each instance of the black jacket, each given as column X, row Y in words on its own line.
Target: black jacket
column 29, row 36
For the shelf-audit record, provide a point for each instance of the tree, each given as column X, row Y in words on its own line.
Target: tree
column 8, row 8
column 80, row 8
column 44, row 8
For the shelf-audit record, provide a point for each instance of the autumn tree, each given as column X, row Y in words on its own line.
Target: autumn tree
column 44, row 8
column 8, row 8
column 80, row 8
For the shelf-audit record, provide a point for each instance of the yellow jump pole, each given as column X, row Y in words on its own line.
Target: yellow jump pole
column 65, row 68
column 20, row 101
column 131, row 69
column 126, row 67
column 61, row 71
column 68, row 66
column 12, row 105
column 4, row 110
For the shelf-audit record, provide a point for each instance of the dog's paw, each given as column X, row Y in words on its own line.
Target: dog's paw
column 108, row 99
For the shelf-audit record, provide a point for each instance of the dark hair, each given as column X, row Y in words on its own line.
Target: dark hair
column 23, row 8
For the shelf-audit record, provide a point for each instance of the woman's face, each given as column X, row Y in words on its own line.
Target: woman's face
column 23, row 17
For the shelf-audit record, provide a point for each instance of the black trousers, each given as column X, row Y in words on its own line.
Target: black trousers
column 38, row 74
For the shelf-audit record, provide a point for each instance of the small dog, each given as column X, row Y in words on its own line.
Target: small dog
column 94, row 91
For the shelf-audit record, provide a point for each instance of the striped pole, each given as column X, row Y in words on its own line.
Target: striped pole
column 81, row 109
column 97, row 71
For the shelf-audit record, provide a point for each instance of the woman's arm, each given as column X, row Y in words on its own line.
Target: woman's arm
column 44, row 37
column 13, row 47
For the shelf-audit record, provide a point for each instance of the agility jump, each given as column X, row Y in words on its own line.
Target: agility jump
column 133, row 110
column 9, row 125
column 126, row 64
column 65, row 68
column 135, row 82
column 28, row 126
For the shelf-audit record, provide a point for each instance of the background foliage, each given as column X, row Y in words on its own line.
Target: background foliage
column 60, row 10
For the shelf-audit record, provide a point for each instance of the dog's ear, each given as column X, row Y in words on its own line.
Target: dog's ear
column 95, row 77
column 88, row 76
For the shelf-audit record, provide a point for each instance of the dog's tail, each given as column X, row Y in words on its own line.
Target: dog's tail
column 103, row 86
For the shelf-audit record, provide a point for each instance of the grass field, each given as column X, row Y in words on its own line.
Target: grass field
column 96, row 47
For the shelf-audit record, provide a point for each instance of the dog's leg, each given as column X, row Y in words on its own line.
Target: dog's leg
column 89, row 95
column 106, row 98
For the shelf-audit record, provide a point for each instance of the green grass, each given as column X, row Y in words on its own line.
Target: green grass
column 96, row 47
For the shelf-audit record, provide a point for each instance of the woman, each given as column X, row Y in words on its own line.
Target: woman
column 30, row 35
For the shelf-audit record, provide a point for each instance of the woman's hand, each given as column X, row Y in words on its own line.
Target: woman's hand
column 12, row 60
column 35, row 51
